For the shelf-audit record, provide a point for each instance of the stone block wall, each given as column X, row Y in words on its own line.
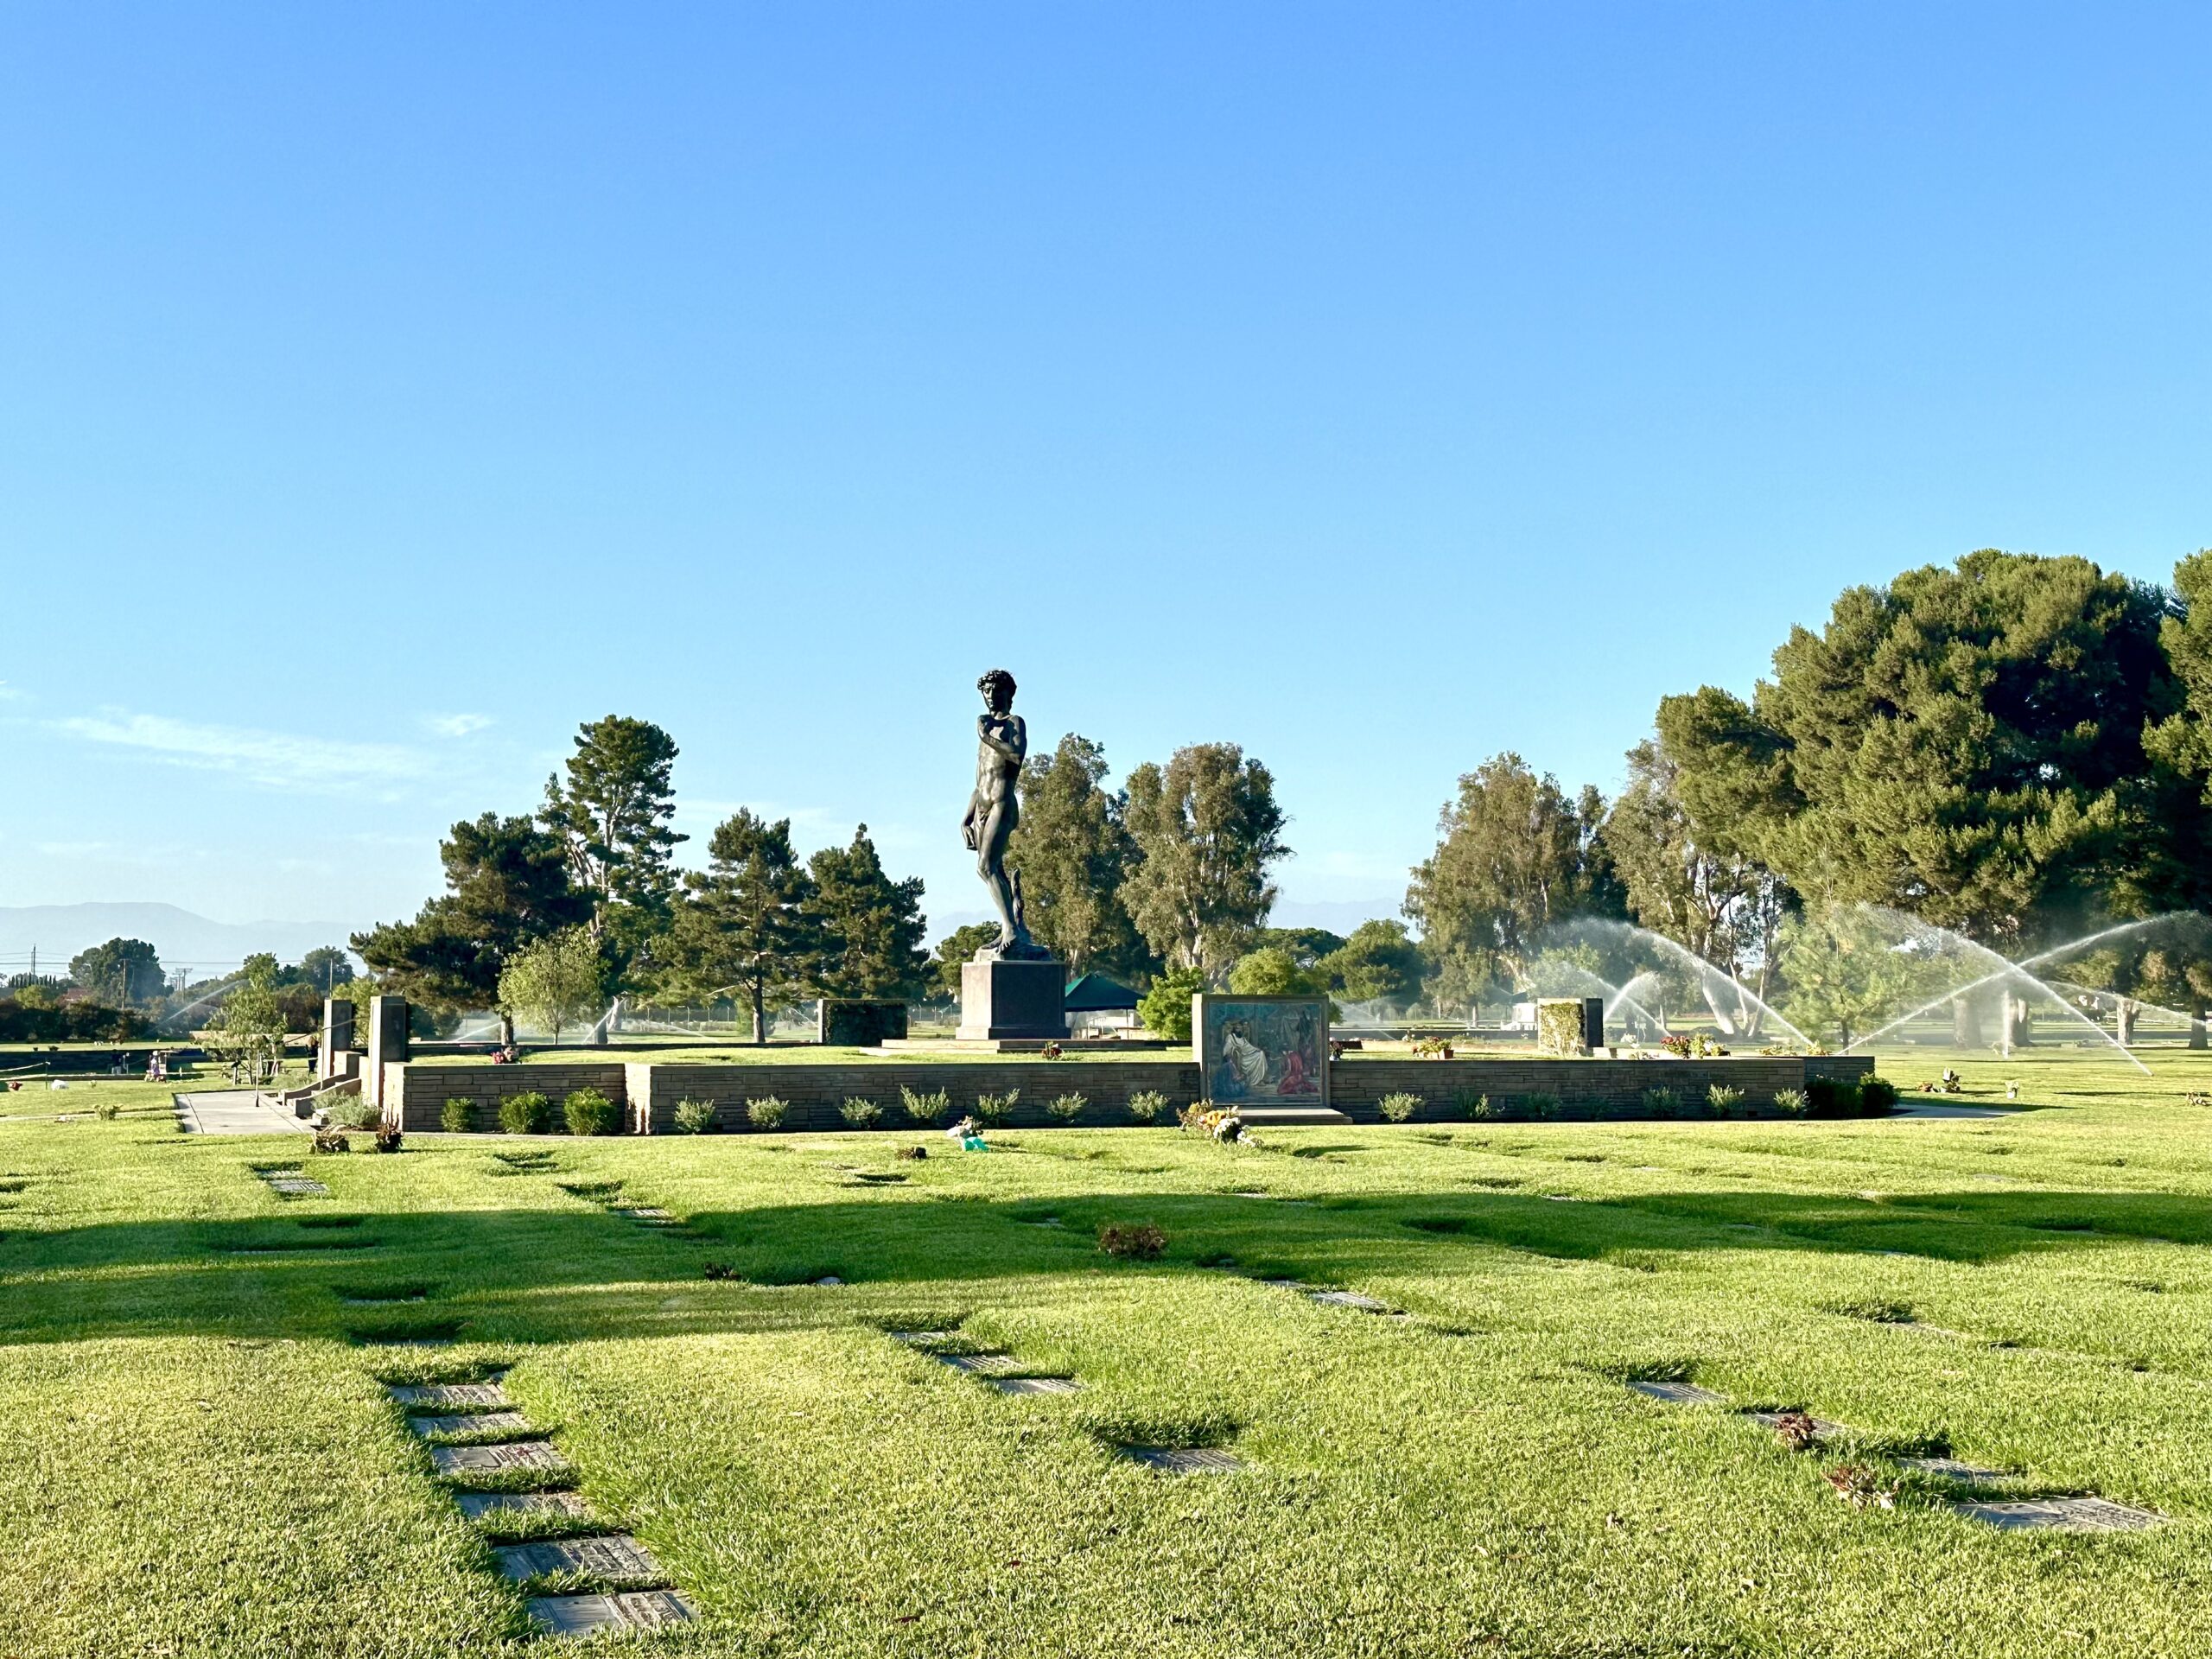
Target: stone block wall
column 816, row 1093
column 415, row 1091
column 1584, row 1088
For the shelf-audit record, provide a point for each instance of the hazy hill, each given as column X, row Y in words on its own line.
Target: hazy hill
column 182, row 938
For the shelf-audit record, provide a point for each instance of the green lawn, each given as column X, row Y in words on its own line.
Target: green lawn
column 201, row 1460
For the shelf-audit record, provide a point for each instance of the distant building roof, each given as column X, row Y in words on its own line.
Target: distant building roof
column 1094, row 993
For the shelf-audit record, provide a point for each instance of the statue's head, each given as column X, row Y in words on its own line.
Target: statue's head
column 997, row 688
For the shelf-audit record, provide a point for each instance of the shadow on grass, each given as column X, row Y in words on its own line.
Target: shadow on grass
column 533, row 1275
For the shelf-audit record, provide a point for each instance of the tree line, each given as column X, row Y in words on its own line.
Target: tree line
column 2014, row 748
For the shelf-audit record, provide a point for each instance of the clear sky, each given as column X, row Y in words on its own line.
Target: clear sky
column 385, row 390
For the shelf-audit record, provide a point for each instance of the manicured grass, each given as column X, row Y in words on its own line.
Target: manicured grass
column 202, row 1461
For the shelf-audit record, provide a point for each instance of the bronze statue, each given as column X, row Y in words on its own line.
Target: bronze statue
column 993, row 810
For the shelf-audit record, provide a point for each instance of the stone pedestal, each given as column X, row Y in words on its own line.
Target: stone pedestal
column 1012, row 999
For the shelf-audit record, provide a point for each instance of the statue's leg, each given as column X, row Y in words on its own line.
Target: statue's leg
column 990, row 864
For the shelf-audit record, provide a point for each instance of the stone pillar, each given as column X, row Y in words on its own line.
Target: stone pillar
column 337, row 1037
column 387, row 1042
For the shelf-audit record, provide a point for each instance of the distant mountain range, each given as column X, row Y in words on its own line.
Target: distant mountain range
column 181, row 939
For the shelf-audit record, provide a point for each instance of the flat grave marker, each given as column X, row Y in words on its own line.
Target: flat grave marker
column 1033, row 1384
column 618, row 1555
column 452, row 1394
column 498, row 1460
column 1183, row 1459
column 638, row 1610
column 2060, row 1515
column 1678, row 1394
column 980, row 1365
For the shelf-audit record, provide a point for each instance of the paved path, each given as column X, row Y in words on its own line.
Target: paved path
column 233, row 1111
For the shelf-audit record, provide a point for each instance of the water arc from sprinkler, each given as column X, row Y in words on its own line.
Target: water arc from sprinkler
column 1915, row 929
column 1746, row 999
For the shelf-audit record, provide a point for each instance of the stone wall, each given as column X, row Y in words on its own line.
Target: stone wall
column 1583, row 1087
column 415, row 1091
column 815, row 1093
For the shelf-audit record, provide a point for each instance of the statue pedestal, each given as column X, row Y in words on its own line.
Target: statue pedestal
column 1012, row 999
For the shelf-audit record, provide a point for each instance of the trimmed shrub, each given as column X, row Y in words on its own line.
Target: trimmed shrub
column 926, row 1106
column 1832, row 1097
column 453, row 1117
column 1141, row 1242
column 1541, row 1105
column 766, row 1113
column 1720, row 1100
column 352, row 1112
column 1147, row 1104
column 860, row 1114
column 590, row 1112
column 1066, row 1109
column 1472, row 1105
column 1790, row 1102
column 1397, row 1107
column 695, row 1116
column 1661, row 1101
column 1877, row 1098
column 529, row 1113
column 991, row 1111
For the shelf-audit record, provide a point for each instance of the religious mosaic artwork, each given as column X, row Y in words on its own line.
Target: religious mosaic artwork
column 1262, row 1050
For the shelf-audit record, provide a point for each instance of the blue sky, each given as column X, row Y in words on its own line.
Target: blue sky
column 1376, row 386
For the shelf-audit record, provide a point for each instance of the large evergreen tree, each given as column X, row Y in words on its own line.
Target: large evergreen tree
column 1514, row 857
column 1966, row 744
column 872, row 927
column 1073, row 851
column 1207, row 830
column 611, row 812
column 746, row 925
column 507, row 887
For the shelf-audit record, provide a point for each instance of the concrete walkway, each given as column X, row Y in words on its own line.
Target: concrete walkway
column 233, row 1111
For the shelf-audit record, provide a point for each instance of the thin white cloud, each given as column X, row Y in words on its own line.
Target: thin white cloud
column 9, row 693
column 456, row 725
column 72, row 849
column 277, row 760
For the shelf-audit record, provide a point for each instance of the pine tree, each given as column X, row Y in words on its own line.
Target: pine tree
column 746, row 925
column 871, row 927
